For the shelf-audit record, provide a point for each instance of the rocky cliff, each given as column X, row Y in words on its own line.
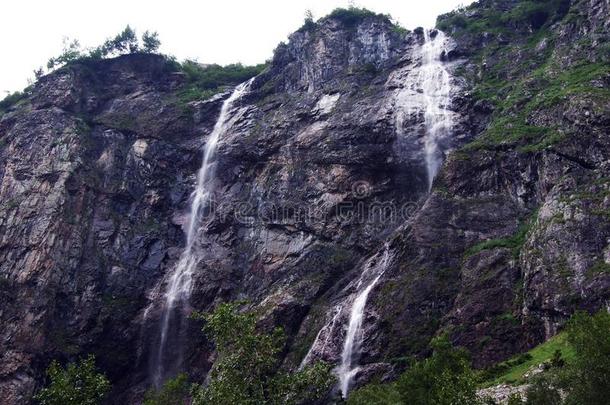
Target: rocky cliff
column 321, row 169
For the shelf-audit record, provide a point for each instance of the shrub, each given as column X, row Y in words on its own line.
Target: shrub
column 543, row 392
column 175, row 391
column 246, row 370
column 587, row 378
column 352, row 16
column 71, row 52
column 445, row 378
column 10, row 100
column 77, row 384
column 203, row 81
column 124, row 42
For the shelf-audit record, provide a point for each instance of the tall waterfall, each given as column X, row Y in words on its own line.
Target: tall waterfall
column 353, row 337
column 426, row 90
column 435, row 83
column 178, row 287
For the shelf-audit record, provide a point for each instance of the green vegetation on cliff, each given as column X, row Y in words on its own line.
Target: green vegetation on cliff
column 522, row 70
column 498, row 17
column 581, row 377
column 124, row 42
column 247, row 368
column 350, row 17
column 204, row 81
column 576, row 361
column 512, row 371
column 445, row 378
column 77, row 384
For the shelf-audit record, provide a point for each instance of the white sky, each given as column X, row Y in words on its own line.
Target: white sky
column 216, row 31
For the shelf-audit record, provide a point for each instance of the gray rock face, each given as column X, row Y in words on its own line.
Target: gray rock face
column 315, row 173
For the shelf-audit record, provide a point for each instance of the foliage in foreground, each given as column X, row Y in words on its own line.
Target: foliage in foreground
column 77, row 384
column 175, row 391
column 584, row 376
column 587, row 378
column 445, row 378
column 246, row 371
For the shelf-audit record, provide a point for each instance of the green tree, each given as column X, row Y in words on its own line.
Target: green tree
column 124, row 42
column 174, row 392
column 247, row 368
column 77, row 384
column 445, row 378
column 587, row 378
column 543, row 391
column 71, row 52
column 150, row 42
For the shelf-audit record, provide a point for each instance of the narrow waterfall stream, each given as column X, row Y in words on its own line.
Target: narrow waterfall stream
column 178, row 287
column 435, row 83
column 353, row 337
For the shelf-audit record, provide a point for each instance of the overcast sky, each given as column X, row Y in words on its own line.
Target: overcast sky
column 217, row 31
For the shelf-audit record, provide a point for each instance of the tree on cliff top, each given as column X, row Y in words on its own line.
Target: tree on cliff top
column 124, row 42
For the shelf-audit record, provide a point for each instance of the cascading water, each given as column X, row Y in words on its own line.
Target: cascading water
column 427, row 89
column 178, row 287
column 435, row 83
column 353, row 336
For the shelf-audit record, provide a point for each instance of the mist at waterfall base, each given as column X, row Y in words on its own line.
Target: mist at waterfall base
column 427, row 90
column 178, row 284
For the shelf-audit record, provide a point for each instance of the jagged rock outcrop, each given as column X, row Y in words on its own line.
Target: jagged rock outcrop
column 321, row 167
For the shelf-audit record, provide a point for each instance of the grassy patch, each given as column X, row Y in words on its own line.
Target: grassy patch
column 204, row 81
column 488, row 18
column 512, row 371
column 514, row 242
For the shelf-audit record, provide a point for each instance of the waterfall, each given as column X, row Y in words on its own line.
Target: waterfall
column 435, row 83
column 424, row 90
column 178, row 287
column 353, row 336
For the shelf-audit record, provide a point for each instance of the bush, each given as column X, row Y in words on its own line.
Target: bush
column 71, row 52
column 174, row 392
column 11, row 100
column 587, row 378
column 124, row 42
column 445, row 378
column 352, row 16
column 246, row 370
column 77, row 384
column 543, row 392
column 206, row 80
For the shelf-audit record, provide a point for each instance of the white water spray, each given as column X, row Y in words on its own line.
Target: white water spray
column 178, row 287
column 353, row 338
column 436, row 96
